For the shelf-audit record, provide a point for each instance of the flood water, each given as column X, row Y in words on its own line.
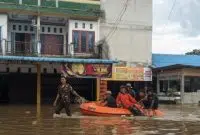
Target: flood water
column 23, row 120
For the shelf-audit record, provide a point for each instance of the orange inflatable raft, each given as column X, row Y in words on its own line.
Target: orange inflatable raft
column 94, row 109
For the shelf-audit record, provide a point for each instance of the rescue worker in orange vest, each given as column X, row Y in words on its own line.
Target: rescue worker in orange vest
column 125, row 100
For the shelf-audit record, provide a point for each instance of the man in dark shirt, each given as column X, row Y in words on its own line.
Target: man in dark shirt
column 109, row 100
column 63, row 97
column 151, row 101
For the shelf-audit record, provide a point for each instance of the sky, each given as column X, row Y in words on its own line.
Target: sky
column 179, row 32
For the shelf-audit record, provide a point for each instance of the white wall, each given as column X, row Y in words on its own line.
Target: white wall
column 87, row 28
column 191, row 97
column 132, row 41
column 4, row 27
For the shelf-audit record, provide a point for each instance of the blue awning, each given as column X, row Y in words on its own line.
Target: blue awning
column 55, row 60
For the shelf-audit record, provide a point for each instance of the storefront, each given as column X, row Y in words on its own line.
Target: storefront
column 178, row 73
column 28, row 83
column 180, row 78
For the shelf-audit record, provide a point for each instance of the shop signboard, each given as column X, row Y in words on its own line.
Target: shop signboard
column 132, row 74
column 87, row 70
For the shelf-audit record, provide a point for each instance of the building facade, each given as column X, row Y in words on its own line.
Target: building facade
column 49, row 33
column 127, row 30
column 126, row 36
column 67, row 30
column 179, row 73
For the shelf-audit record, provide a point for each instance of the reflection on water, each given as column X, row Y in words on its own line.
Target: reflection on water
column 23, row 120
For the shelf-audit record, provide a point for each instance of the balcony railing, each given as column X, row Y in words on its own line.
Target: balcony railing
column 18, row 48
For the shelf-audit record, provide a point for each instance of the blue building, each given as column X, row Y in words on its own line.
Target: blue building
column 178, row 72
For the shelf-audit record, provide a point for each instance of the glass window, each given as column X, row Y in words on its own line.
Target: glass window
column 31, row 28
column 61, row 30
column 91, row 26
column 175, row 85
column 76, row 25
column 49, row 29
column 25, row 28
column 55, row 30
column 76, row 40
column 83, row 41
column 192, row 84
column 19, row 27
column 91, row 41
column 14, row 27
column 43, row 29
column 83, row 25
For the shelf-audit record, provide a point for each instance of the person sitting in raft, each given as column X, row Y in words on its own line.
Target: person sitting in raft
column 109, row 100
column 125, row 100
column 151, row 101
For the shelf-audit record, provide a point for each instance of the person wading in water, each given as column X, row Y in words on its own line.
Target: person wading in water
column 63, row 98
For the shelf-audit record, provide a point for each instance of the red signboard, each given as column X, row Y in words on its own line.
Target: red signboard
column 87, row 70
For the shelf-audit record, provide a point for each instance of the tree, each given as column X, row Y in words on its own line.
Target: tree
column 194, row 52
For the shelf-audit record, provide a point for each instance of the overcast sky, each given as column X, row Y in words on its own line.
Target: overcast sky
column 181, row 32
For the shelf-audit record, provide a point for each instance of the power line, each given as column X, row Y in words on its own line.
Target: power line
column 170, row 13
column 112, row 31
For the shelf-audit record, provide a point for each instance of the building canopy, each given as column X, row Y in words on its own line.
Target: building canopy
column 55, row 60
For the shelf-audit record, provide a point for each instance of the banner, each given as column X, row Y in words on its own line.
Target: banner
column 131, row 74
column 128, row 74
column 87, row 70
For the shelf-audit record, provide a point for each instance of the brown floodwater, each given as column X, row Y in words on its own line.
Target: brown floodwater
column 23, row 120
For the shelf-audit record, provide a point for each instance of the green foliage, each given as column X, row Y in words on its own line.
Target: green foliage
column 194, row 52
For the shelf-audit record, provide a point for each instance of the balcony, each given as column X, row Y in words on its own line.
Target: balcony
column 54, row 8
column 18, row 48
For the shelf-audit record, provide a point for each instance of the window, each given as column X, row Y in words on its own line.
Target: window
column 55, row 71
column 83, row 25
column 31, row 28
column 14, row 27
column 7, row 69
column 20, row 27
column 44, row 70
column 91, row 26
column 18, row 70
column 29, row 70
column 192, row 84
column 76, row 40
column 91, row 41
column 61, row 30
column 76, row 25
column 55, row 30
column 49, row 29
column 83, row 41
column 43, row 29
column 25, row 28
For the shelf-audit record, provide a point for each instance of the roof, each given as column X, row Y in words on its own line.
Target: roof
column 164, row 60
column 55, row 60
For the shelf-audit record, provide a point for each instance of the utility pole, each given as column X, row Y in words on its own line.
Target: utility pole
column 38, row 31
column 38, row 36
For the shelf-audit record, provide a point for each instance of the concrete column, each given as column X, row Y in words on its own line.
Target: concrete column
column 57, row 3
column 65, row 40
column 39, row 2
column 98, row 89
column 38, row 36
column 38, row 88
column 3, row 45
column 65, row 46
column 168, row 84
column 20, row 2
column 182, row 88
